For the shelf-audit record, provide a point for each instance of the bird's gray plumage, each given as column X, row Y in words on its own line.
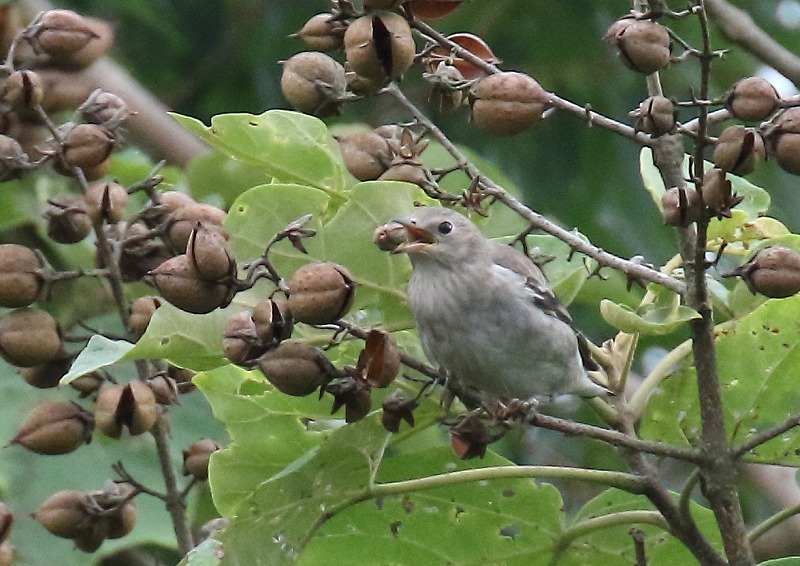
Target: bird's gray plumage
column 486, row 314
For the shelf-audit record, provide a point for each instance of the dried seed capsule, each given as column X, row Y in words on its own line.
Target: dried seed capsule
column 195, row 460
column 739, row 150
column 296, row 368
column 142, row 310
column 379, row 361
column 61, row 33
column 322, row 33
column 132, row 406
column 783, row 139
column 718, row 193
column 354, row 395
column 106, row 201
column 165, row 389
column 19, row 282
column 240, row 342
column 55, row 427
column 397, row 408
column 65, row 514
column 87, row 384
column 429, row 10
column 469, row 438
column 13, row 160
column 320, row 293
column 141, row 253
column 104, row 108
column 23, row 89
column 681, row 207
column 179, row 283
column 186, row 216
column 313, row 83
column 504, row 104
column 88, row 145
column 752, row 99
column 379, row 45
column 656, row 116
column 466, row 69
column 388, row 236
column 208, row 253
column 273, row 321
column 773, row 272
column 410, row 171
column 48, row 374
column 29, row 337
column 643, row 46
column 67, row 221
column 366, row 155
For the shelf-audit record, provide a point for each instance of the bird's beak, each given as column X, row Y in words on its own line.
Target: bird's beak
column 417, row 239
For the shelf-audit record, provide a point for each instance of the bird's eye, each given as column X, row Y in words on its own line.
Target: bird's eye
column 444, row 228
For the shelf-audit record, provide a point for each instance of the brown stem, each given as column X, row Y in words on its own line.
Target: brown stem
column 174, row 499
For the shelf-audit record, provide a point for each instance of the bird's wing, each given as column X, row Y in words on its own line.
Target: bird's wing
column 541, row 293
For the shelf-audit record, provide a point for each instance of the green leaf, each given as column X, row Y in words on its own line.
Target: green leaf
column 758, row 362
column 207, row 553
column 651, row 320
column 98, row 353
column 613, row 544
column 289, row 146
column 217, row 174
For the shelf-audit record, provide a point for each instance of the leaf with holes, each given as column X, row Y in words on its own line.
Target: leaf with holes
column 758, row 363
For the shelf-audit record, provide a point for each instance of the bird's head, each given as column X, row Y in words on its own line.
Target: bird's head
column 439, row 234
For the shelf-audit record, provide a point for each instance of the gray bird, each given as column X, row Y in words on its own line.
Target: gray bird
column 486, row 313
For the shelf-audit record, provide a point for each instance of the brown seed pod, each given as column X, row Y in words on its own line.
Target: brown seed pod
column 55, row 427
column 410, row 171
column 752, row 99
column 397, row 408
column 469, row 438
column 642, row 45
column 379, row 361
column 20, row 283
column 773, row 272
column 656, row 116
column 379, row 45
column 142, row 310
column 320, row 293
column 718, row 193
column 681, row 207
column 65, row 514
column 322, row 33
column 783, row 139
column 61, row 33
column 366, row 155
column 185, row 217
column 388, row 236
column 88, row 145
column 106, row 201
column 296, row 368
column 354, row 395
column 178, row 282
column 104, row 108
column 429, row 10
column 48, row 374
column 313, row 83
column 739, row 150
column 29, row 337
column 22, row 90
column 87, row 384
column 132, row 405
column 141, row 252
column 273, row 321
column 504, row 104
column 467, row 70
column 13, row 159
column 67, row 221
column 240, row 342
column 165, row 389
column 195, row 460
column 208, row 253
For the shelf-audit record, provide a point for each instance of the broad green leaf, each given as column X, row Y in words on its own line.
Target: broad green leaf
column 509, row 521
column 653, row 321
column 192, row 341
column 207, row 553
column 289, row 146
column 98, row 353
column 756, row 200
column 758, row 363
column 220, row 176
column 613, row 544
